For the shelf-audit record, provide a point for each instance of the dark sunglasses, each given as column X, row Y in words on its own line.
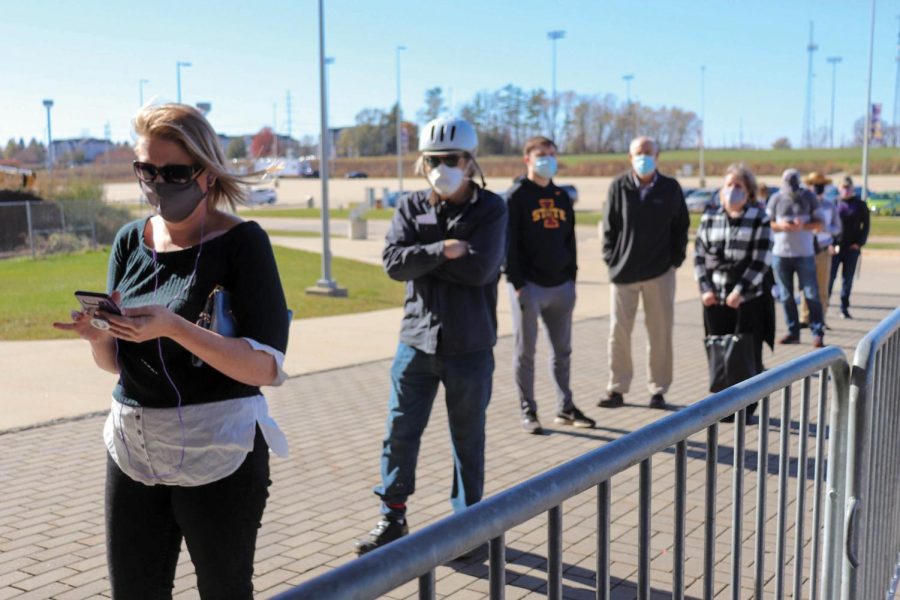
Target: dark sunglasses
column 147, row 172
column 451, row 160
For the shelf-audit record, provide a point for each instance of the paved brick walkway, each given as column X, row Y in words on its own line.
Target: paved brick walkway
column 51, row 508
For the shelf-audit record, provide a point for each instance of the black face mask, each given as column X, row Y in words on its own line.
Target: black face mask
column 174, row 201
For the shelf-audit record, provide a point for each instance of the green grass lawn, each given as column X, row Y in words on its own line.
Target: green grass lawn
column 38, row 292
column 780, row 157
column 293, row 233
column 374, row 214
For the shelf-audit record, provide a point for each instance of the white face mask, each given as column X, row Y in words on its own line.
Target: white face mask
column 446, row 180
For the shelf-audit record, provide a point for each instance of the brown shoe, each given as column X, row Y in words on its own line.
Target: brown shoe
column 818, row 342
column 789, row 339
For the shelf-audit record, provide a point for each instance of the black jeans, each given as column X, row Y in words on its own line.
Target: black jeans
column 219, row 521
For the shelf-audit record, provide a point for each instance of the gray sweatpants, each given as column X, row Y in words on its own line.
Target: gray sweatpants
column 555, row 306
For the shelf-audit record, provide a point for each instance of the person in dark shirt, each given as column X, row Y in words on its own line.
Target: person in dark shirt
column 189, row 432
column 854, row 215
column 645, row 229
column 540, row 270
column 447, row 243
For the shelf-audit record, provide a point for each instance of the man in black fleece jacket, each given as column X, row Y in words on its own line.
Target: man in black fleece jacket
column 645, row 228
column 540, row 268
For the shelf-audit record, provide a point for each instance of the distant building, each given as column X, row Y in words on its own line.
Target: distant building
column 80, row 150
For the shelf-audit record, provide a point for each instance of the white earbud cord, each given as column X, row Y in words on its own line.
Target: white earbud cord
column 162, row 362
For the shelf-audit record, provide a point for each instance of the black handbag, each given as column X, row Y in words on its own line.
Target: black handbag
column 217, row 316
column 730, row 357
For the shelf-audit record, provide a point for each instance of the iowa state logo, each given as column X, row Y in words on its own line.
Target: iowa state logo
column 549, row 214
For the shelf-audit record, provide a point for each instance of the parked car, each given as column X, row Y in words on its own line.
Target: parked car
column 699, row 200
column 357, row 175
column 262, row 195
column 884, row 204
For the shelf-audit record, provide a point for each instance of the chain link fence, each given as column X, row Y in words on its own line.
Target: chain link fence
column 38, row 228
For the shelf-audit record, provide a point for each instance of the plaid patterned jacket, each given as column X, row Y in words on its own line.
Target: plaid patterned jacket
column 733, row 254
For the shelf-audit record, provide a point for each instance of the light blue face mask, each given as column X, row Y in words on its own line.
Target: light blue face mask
column 643, row 164
column 545, row 166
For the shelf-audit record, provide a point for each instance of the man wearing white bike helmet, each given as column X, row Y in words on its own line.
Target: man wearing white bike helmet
column 447, row 243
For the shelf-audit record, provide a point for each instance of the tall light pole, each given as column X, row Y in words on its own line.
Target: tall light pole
column 808, row 116
column 329, row 60
column 702, row 124
column 897, row 92
column 141, row 90
column 833, row 61
column 178, row 66
column 399, row 118
column 325, row 286
column 628, row 79
column 554, row 37
column 865, row 157
column 48, row 104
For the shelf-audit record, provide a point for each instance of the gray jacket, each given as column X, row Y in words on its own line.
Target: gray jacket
column 450, row 305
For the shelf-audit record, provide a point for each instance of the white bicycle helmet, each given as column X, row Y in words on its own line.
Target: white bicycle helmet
column 448, row 134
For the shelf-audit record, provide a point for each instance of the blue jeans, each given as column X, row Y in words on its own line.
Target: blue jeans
column 805, row 267
column 415, row 376
column 848, row 257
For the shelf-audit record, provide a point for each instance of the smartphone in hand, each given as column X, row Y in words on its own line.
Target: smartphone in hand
column 91, row 302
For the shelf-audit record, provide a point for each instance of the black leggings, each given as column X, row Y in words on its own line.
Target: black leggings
column 219, row 521
column 720, row 320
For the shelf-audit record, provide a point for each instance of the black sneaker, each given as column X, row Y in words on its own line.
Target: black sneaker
column 530, row 424
column 612, row 400
column 574, row 417
column 845, row 314
column 657, row 401
column 386, row 531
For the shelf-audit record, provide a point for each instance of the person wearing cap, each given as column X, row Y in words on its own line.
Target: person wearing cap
column 447, row 244
column 824, row 240
column 645, row 233
column 795, row 218
column 854, row 215
column 540, row 270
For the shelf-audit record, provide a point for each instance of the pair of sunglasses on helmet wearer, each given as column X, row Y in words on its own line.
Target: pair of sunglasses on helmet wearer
column 451, row 160
column 147, row 172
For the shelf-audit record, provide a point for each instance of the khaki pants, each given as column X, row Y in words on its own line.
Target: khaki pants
column 823, row 274
column 658, row 296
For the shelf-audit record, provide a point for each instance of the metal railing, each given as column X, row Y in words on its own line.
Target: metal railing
column 872, row 524
column 417, row 555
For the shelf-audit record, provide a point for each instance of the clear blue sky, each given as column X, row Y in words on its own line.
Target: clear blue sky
column 89, row 56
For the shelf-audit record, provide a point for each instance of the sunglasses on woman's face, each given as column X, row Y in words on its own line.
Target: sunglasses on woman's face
column 451, row 160
column 148, row 172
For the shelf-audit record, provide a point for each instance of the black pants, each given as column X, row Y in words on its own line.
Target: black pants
column 219, row 521
column 720, row 320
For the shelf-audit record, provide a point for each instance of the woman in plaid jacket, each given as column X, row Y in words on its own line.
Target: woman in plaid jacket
column 732, row 254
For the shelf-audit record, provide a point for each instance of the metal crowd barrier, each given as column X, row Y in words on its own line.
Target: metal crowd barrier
column 417, row 555
column 872, row 557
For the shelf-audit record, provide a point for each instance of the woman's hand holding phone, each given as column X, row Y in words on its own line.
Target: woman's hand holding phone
column 143, row 323
column 81, row 322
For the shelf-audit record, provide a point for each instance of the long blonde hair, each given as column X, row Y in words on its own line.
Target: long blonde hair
column 186, row 126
